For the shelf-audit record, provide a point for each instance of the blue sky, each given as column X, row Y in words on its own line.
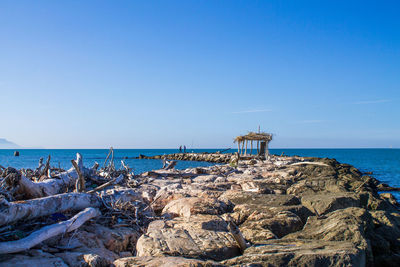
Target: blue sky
column 158, row 74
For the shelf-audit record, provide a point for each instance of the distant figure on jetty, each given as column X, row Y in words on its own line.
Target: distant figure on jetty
column 180, row 149
column 184, row 149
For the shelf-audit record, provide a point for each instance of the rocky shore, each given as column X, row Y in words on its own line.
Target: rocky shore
column 283, row 211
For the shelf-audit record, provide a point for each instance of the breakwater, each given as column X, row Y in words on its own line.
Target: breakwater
column 284, row 211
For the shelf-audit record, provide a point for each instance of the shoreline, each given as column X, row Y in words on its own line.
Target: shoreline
column 287, row 211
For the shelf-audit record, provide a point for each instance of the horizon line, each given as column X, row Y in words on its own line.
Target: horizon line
column 197, row 148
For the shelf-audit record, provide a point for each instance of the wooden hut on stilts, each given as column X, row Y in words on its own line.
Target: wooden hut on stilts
column 262, row 140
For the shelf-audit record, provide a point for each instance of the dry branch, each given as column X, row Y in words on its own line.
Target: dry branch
column 49, row 231
column 113, row 181
column 80, row 182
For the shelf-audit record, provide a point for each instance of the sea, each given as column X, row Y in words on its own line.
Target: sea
column 383, row 163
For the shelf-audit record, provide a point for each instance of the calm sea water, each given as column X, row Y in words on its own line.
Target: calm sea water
column 384, row 163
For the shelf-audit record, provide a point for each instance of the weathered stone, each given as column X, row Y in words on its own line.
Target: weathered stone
column 268, row 200
column 280, row 224
column 200, row 236
column 205, row 178
column 390, row 198
column 342, row 225
column 93, row 260
column 84, row 242
column 300, row 253
column 37, row 259
column 163, row 262
column 185, row 207
column 117, row 239
column 325, row 203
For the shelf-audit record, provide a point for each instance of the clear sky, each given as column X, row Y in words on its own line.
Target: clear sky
column 159, row 74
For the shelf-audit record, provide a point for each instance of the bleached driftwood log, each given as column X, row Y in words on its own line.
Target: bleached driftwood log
column 11, row 212
column 49, row 231
column 53, row 186
column 29, row 209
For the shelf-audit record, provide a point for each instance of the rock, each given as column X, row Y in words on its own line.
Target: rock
column 300, row 253
column 200, row 236
column 185, row 207
column 390, row 198
column 299, row 210
column 269, row 200
column 95, row 260
column 117, row 239
column 313, row 184
column 163, row 262
column 205, row 178
column 385, row 238
column 43, row 259
column 83, row 242
column 176, row 191
column 72, row 259
column 325, row 203
column 255, row 187
column 341, row 225
column 280, row 224
column 257, row 235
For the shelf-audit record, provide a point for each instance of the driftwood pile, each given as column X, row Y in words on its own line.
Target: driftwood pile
column 36, row 205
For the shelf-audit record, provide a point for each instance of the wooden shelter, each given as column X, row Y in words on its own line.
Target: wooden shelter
column 261, row 138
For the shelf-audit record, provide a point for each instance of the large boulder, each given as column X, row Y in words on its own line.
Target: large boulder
column 200, row 236
column 385, row 238
column 325, row 203
column 300, row 253
column 117, row 239
column 342, row 225
column 260, row 223
column 185, row 207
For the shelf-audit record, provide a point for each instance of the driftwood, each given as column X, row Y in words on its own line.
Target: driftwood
column 56, row 185
column 310, row 163
column 80, row 182
column 11, row 212
column 113, row 181
column 170, row 165
column 45, row 171
column 49, row 231
column 111, row 164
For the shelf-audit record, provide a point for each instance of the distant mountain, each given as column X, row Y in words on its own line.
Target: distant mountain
column 5, row 144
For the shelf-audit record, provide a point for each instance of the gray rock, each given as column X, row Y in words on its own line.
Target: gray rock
column 163, row 262
column 300, row 253
column 185, row 207
column 200, row 236
column 325, row 203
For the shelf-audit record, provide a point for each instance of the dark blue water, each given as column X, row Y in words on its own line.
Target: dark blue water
column 384, row 163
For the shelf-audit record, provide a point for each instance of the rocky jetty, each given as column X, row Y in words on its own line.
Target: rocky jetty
column 208, row 157
column 283, row 211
